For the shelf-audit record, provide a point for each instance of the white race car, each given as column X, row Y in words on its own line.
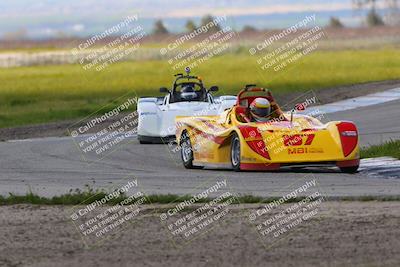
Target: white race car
column 188, row 97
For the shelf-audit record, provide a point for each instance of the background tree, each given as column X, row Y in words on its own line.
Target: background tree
column 335, row 23
column 190, row 26
column 159, row 27
column 248, row 28
column 207, row 19
column 373, row 18
column 393, row 15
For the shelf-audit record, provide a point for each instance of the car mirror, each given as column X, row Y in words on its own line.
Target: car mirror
column 164, row 90
column 214, row 88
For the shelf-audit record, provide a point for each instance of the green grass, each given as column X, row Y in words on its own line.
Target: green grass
column 78, row 197
column 391, row 149
column 39, row 94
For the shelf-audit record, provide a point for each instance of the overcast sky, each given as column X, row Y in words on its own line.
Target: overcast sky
column 164, row 8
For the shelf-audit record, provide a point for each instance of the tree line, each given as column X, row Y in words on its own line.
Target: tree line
column 372, row 18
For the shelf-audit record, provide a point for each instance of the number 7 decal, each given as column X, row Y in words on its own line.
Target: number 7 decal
column 297, row 139
column 310, row 138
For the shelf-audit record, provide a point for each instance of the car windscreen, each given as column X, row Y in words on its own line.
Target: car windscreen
column 189, row 92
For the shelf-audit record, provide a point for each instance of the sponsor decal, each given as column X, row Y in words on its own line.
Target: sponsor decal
column 305, row 150
column 248, row 159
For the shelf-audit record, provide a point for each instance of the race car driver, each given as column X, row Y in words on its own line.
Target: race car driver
column 260, row 110
column 188, row 93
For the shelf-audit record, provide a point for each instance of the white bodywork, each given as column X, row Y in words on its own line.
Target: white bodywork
column 157, row 115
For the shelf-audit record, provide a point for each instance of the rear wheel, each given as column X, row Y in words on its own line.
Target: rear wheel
column 352, row 169
column 235, row 152
column 186, row 151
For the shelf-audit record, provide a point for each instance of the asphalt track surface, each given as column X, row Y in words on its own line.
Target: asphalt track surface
column 51, row 166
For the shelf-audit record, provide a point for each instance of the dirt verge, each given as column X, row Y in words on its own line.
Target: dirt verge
column 342, row 234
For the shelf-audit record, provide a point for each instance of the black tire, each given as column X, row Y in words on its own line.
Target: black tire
column 235, row 152
column 186, row 151
column 144, row 142
column 352, row 169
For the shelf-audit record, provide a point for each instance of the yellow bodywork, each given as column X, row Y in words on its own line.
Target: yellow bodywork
column 302, row 140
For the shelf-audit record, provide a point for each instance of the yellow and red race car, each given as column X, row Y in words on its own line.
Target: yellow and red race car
column 232, row 140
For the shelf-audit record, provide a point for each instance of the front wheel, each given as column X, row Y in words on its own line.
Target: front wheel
column 186, row 151
column 235, row 152
column 352, row 169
